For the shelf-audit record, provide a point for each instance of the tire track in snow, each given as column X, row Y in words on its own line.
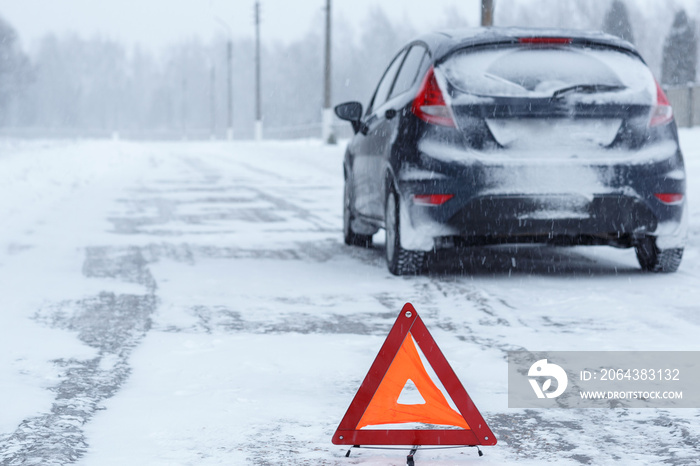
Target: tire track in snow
column 163, row 209
column 590, row 436
column 599, row 436
column 284, row 202
column 452, row 293
column 113, row 324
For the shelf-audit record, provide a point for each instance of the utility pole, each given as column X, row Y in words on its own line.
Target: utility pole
column 184, row 104
column 212, row 99
column 327, row 114
column 258, row 110
column 487, row 12
column 229, row 83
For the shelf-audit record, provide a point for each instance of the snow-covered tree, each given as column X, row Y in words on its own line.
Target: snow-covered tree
column 14, row 71
column 617, row 21
column 680, row 52
column 96, row 86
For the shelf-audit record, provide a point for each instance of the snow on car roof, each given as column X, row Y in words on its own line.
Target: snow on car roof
column 445, row 41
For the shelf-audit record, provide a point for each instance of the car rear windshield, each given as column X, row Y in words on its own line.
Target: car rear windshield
column 548, row 71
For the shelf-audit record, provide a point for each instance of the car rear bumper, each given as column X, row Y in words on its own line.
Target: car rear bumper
column 605, row 204
column 614, row 219
column 550, row 215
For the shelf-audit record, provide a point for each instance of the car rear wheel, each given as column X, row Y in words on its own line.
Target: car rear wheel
column 400, row 261
column 352, row 238
column 653, row 259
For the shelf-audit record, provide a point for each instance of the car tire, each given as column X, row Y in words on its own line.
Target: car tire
column 653, row 259
column 400, row 261
column 351, row 238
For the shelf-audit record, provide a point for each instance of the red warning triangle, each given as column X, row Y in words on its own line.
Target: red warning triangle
column 377, row 401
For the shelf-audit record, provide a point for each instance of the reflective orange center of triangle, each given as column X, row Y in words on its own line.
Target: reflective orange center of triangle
column 385, row 408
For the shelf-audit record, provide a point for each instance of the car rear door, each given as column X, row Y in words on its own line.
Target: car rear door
column 372, row 146
column 383, row 124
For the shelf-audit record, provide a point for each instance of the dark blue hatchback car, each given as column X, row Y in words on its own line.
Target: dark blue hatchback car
column 500, row 135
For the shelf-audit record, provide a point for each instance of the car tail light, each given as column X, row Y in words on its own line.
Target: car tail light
column 670, row 198
column 431, row 199
column 661, row 112
column 544, row 40
column 429, row 104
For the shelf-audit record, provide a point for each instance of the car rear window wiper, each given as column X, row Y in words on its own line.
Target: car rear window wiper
column 586, row 89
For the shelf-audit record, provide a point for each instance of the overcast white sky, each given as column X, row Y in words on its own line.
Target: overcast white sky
column 155, row 23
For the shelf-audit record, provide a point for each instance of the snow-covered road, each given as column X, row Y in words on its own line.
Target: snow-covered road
column 193, row 303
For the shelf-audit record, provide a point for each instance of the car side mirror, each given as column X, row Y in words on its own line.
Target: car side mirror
column 352, row 112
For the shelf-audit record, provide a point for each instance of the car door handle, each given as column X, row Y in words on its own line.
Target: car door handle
column 389, row 114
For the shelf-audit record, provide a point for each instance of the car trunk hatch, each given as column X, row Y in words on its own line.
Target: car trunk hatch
column 533, row 133
column 529, row 96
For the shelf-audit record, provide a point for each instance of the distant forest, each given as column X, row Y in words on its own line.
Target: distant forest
column 94, row 87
